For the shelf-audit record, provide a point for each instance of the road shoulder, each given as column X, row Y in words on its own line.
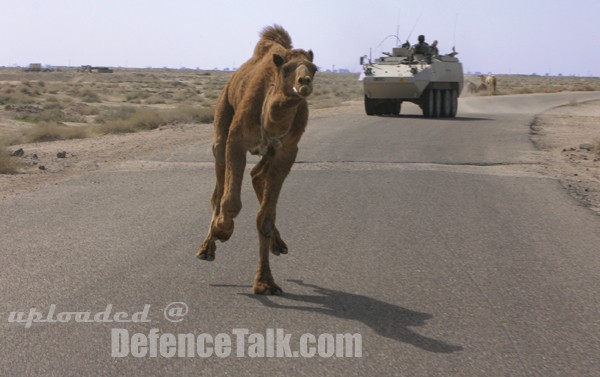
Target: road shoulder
column 569, row 140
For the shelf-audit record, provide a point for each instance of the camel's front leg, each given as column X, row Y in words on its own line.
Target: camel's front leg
column 231, row 203
column 223, row 117
column 277, row 171
column 259, row 175
column 208, row 247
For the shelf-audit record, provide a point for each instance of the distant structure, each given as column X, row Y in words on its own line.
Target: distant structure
column 90, row 69
column 34, row 67
column 37, row 67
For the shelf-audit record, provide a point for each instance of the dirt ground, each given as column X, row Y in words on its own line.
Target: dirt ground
column 40, row 164
column 559, row 134
column 569, row 139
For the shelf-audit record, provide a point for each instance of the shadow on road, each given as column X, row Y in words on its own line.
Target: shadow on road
column 456, row 119
column 390, row 321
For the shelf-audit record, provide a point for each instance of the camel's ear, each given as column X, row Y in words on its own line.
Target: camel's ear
column 278, row 60
column 310, row 55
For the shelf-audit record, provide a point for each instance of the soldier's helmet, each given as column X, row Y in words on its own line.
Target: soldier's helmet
column 421, row 38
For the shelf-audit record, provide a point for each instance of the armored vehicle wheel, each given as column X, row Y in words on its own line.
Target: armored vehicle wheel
column 393, row 108
column 427, row 103
column 437, row 103
column 453, row 103
column 446, row 103
column 370, row 106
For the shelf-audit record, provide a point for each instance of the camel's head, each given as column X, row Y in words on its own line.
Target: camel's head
column 296, row 72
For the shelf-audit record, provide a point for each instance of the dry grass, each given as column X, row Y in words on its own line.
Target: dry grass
column 51, row 131
column 132, row 120
column 332, row 89
column 68, row 104
column 522, row 84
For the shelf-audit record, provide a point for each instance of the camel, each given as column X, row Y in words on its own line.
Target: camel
column 261, row 110
column 488, row 83
column 471, row 87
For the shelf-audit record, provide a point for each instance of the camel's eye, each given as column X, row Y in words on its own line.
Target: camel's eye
column 286, row 71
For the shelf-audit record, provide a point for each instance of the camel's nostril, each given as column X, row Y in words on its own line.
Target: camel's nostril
column 304, row 80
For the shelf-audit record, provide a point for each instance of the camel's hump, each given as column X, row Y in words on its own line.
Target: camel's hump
column 278, row 34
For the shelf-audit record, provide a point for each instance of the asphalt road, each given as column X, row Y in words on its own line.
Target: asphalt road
column 433, row 240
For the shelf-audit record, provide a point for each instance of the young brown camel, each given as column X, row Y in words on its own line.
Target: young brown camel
column 261, row 110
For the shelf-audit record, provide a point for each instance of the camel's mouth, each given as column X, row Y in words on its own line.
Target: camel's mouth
column 303, row 90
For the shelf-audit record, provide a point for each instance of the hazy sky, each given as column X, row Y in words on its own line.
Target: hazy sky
column 501, row 36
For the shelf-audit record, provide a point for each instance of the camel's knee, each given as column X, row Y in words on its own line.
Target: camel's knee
column 258, row 182
column 265, row 224
column 231, row 206
column 218, row 149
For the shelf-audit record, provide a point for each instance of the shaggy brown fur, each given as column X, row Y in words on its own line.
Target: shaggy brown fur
column 262, row 110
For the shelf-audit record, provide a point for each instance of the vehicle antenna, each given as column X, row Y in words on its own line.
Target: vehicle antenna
column 414, row 26
column 455, row 26
column 398, row 30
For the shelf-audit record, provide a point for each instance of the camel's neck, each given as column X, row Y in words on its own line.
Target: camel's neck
column 278, row 113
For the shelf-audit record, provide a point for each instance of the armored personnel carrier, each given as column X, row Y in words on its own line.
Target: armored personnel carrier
column 432, row 82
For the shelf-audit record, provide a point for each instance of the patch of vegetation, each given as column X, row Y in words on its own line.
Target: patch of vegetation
column 52, row 131
column 332, row 89
column 132, row 120
column 190, row 114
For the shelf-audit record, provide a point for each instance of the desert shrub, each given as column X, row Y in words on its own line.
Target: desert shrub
column 89, row 96
column 137, row 95
column 155, row 100
column 8, row 164
column 109, row 114
column 179, row 84
column 140, row 119
column 51, row 131
column 29, row 91
column 13, row 96
column 190, row 114
column 49, row 113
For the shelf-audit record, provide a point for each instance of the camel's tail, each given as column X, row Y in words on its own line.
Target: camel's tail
column 278, row 34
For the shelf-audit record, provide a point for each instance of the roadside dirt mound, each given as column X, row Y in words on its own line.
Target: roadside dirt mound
column 569, row 136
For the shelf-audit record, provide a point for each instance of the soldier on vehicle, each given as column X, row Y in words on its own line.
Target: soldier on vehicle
column 421, row 48
column 433, row 49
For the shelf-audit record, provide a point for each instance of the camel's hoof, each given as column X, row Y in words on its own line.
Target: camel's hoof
column 278, row 246
column 206, row 257
column 207, row 251
column 277, row 251
column 263, row 287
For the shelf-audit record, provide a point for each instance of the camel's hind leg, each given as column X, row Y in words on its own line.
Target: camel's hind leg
column 275, row 170
column 259, row 173
column 223, row 117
